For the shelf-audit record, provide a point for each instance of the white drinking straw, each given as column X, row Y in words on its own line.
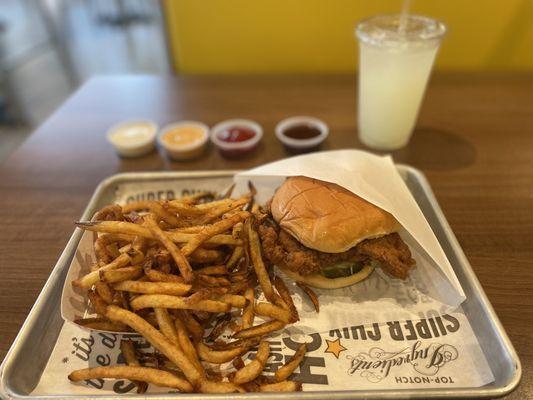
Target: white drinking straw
column 404, row 16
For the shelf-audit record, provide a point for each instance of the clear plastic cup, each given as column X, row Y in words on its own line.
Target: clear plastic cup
column 394, row 68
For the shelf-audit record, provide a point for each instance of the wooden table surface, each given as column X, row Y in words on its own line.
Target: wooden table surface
column 474, row 142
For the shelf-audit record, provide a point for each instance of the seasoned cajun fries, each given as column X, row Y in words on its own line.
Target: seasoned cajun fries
column 183, row 273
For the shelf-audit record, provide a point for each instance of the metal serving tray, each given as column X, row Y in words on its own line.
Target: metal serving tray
column 27, row 358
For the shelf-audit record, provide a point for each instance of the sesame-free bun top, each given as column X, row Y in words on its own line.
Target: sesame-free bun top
column 326, row 217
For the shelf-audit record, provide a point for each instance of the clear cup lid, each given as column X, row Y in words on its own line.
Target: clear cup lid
column 400, row 30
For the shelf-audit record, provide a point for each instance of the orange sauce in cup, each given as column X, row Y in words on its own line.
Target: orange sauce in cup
column 183, row 136
column 184, row 140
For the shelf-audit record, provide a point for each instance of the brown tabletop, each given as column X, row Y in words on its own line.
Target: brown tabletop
column 474, row 142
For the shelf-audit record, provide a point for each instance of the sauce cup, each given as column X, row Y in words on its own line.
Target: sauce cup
column 184, row 140
column 232, row 144
column 133, row 138
column 318, row 132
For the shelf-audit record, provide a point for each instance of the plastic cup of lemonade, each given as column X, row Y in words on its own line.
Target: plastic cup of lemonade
column 396, row 58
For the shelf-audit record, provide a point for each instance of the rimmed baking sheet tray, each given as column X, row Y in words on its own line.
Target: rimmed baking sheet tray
column 24, row 364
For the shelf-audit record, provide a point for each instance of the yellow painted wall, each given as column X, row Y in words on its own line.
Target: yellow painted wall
column 271, row 36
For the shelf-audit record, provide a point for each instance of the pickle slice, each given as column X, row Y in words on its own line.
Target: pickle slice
column 342, row 269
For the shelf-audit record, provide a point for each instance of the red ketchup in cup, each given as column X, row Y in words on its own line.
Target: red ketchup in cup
column 236, row 138
column 236, row 134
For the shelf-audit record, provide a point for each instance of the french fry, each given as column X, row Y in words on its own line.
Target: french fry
column 194, row 198
column 272, row 311
column 96, row 266
column 288, row 368
column 166, row 301
column 186, row 346
column 157, row 339
column 102, row 255
column 227, row 193
column 206, row 256
column 113, row 250
column 137, row 257
column 247, row 343
column 128, row 351
column 139, row 244
column 213, row 270
column 125, row 249
column 150, row 375
column 201, row 315
column 188, row 229
column 130, row 228
column 214, row 204
column 177, row 254
column 115, row 227
column 151, row 319
column 258, row 264
column 241, row 286
column 236, row 256
column 219, row 387
column 158, row 276
column 284, row 386
column 104, row 291
column 205, row 293
column 102, row 324
column 252, row 189
column 210, row 280
column 234, row 300
column 218, row 356
column 213, row 230
column 171, row 288
column 237, row 363
column 123, row 300
column 184, row 209
column 217, row 212
column 116, row 237
column 112, row 211
column 259, row 330
column 248, row 312
column 154, row 207
column 255, row 367
column 214, row 281
column 216, row 240
column 287, row 298
column 121, row 274
column 91, row 278
column 311, row 294
column 239, row 276
column 215, row 376
column 195, row 329
column 97, row 302
column 166, row 325
column 220, row 325
column 237, row 230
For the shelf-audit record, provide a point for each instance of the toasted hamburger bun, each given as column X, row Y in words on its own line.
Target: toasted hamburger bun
column 320, row 281
column 326, row 217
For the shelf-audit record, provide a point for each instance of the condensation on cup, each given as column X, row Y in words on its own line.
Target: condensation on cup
column 395, row 60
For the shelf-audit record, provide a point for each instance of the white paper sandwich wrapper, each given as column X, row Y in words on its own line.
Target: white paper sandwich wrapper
column 432, row 287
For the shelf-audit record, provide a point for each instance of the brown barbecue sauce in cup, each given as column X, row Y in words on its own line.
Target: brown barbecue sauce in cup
column 301, row 134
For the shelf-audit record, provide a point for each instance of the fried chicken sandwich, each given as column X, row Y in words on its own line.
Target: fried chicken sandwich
column 325, row 236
